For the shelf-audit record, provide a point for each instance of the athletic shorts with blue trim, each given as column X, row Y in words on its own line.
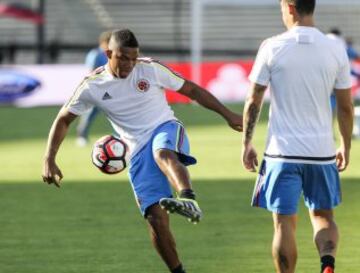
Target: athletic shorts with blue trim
column 147, row 180
column 280, row 184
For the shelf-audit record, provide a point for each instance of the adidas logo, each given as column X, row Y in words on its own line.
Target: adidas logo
column 106, row 96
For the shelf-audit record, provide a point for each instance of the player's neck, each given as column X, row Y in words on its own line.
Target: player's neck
column 112, row 72
column 306, row 21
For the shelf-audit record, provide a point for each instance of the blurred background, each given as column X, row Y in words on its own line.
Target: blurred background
column 212, row 42
column 88, row 227
column 61, row 31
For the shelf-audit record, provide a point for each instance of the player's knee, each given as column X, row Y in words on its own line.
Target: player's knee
column 157, row 222
column 322, row 220
column 156, row 217
column 326, row 215
column 285, row 224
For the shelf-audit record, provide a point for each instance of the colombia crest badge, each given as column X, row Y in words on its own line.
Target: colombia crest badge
column 142, row 85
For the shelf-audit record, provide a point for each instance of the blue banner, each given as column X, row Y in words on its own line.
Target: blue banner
column 14, row 85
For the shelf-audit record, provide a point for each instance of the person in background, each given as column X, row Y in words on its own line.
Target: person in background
column 354, row 57
column 351, row 51
column 335, row 34
column 94, row 59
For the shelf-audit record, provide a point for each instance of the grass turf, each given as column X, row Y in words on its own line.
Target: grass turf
column 96, row 227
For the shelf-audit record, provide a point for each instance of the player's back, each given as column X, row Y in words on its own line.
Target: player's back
column 305, row 67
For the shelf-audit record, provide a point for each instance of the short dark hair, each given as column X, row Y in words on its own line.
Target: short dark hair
column 303, row 7
column 335, row 31
column 123, row 38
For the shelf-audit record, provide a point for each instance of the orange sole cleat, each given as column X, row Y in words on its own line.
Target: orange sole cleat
column 328, row 269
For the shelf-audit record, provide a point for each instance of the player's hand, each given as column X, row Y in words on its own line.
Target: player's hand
column 235, row 121
column 51, row 173
column 342, row 158
column 249, row 158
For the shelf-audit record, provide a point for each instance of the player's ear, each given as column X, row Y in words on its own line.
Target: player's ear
column 292, row 9
column 108, row 53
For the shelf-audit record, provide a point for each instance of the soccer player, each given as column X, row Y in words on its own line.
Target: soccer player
column 130, row 91
column 302, row 67
column 335, row 34
column 94, row 59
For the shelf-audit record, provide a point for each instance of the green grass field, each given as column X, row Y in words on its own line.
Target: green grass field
column 92, row 223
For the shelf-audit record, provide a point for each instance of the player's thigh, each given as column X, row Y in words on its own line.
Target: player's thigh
column 147, row 180
column 172, row 137
column 165, row 157
column 321, row 186
column 278, row 187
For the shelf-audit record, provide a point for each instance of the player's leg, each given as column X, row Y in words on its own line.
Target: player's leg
column 162, row 239
column 150, row 185
column 171, row 153
column 284, row 243
column 178, row 176
column 326, row 237
column 278, row 189
column 175, row 171
column 322, row 193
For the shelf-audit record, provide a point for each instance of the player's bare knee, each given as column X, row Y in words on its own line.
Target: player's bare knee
column 284, row 225
column 157, row 221
column 326, row 215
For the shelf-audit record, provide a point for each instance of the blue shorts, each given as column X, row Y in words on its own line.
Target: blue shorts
column 280, row 184
column 147, row 180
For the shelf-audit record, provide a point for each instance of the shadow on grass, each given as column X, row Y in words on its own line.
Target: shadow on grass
column 96, row 227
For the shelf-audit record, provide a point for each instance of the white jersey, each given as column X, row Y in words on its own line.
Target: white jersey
column 338, row 39
column 135, row 106
column 303, row 66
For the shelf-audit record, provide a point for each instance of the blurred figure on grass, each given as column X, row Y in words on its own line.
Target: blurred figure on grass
column 94, row 59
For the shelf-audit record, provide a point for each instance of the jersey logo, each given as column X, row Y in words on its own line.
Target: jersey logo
column 142, row 85
column 106, row 96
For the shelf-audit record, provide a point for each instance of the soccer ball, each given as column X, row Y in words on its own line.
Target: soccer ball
column 110, row 154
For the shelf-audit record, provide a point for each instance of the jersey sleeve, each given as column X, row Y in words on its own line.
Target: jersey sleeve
column 167, row 78
column 343, row 78
column 260, row 72
column 80, row 101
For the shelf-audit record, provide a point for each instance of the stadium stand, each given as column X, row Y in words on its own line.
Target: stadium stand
column 162, row 26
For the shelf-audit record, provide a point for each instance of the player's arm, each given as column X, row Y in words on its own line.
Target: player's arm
column 251, row 114
column 206, row 99
column 345, row 116
column 51, row 172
